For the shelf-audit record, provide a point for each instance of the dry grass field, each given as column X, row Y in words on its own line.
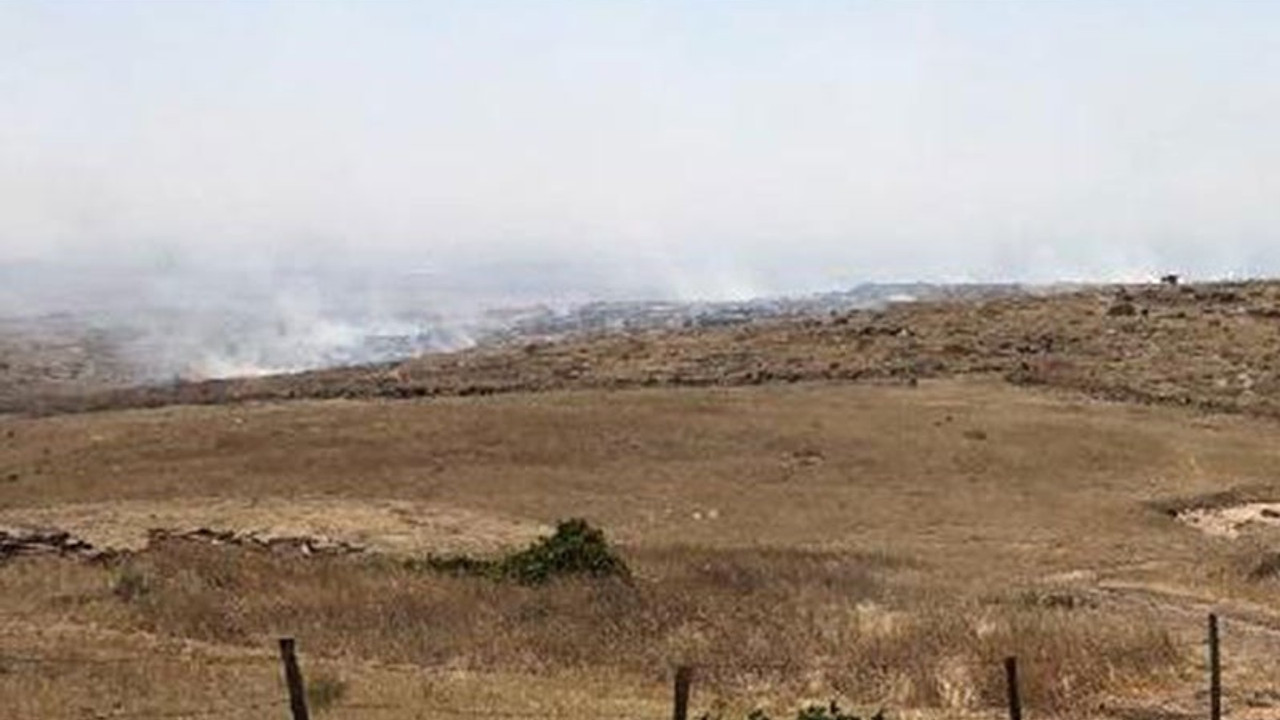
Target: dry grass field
column 886, row 545
column 926, row 491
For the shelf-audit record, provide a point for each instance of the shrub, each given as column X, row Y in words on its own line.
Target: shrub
column 576, row 548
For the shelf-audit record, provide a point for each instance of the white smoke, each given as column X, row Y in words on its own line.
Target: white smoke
column 188, row 323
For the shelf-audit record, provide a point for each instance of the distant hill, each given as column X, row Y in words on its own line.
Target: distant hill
column 198, row 331
column 1214, row 346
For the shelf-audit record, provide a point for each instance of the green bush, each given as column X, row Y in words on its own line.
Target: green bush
column 575, row 548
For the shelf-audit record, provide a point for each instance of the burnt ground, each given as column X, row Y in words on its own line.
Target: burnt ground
column 1214, row 346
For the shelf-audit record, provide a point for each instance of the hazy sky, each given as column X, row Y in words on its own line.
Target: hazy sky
column 705, row 148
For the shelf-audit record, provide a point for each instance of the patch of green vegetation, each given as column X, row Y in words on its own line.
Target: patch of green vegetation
column 575, row 548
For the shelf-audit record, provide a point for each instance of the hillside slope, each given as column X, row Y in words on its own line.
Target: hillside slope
column 879, row 532
column 1212, row 346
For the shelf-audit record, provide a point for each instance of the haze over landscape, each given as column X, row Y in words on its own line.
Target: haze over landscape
column 304, row 175
column 515, row 359
column 672, row 149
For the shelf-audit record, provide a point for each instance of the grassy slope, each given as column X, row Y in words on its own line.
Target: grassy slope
column 778, row 507
column 946, row 501
column 791, row 466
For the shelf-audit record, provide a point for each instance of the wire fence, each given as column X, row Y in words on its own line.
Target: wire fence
column 294, row 699
column 291, row 701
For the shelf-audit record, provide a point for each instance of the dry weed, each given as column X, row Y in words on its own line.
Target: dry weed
column 790, row 620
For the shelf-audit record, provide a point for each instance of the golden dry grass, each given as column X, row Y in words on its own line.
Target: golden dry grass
column 885, row 544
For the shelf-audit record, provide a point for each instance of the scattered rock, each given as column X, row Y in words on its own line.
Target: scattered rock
column 304, row 545
column 1229, row 520
column 805, row 457
column 41, row 541
column 307, row 525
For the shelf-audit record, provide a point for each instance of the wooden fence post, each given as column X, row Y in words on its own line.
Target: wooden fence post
column 293, row 677
column 1215, row 671
column 684, row 679
column 1011, row 679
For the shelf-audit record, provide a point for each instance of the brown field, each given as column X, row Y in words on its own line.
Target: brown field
column 886, row 544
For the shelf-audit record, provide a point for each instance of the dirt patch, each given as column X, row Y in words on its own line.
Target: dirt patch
column 1230, row 521
column 314, row 525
